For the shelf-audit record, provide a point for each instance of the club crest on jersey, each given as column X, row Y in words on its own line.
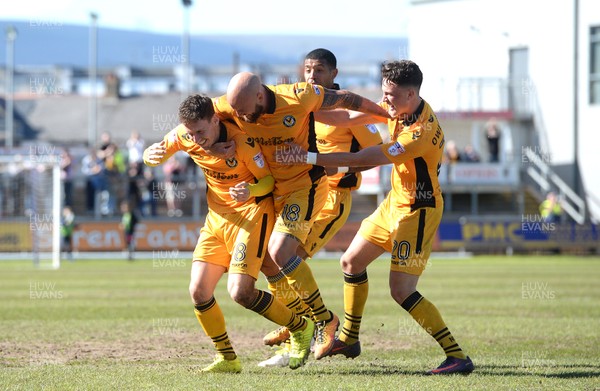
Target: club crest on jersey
column 372, row 128
column 317, row 90
column 396, row 149
column 416, row 134
column 289, row 121
column 231, row 162
column 259, row 160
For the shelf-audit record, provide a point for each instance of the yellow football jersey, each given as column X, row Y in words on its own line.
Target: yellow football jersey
column 416, row 147
column 288, row 119
column 336, row 139
column 248, row 165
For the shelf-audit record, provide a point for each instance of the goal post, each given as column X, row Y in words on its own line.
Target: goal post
column 56, row 214
column 30, row 206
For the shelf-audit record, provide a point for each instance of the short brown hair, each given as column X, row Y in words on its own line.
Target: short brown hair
column 403, row 73
column 196, row 107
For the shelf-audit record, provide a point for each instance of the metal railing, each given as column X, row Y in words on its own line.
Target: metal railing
column 547, row 179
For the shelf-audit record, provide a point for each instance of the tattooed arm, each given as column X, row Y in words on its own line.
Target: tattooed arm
column 364, row 111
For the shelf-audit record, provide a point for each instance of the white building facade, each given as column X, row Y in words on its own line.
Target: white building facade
column 477, row 54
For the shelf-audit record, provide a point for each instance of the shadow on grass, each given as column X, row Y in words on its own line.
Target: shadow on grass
column 568, row 371
column 559, row 371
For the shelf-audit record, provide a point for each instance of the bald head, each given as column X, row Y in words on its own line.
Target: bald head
column 244, row 94
column 242, row 87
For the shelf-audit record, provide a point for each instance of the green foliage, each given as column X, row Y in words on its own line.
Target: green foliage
column 528, row 323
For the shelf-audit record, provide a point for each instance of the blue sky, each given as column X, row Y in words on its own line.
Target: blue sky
column 307, row 17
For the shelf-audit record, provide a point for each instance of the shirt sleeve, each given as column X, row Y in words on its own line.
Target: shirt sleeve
column 408, row 145
column 222, row 108
column 252, row 156
column 367, row 135
column 172, row 144
column 309, row 95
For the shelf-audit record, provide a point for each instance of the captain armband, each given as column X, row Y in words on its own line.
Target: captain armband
column 264, row 186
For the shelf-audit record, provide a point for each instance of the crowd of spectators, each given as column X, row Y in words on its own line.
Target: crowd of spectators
column 452, row 153
column 114, row 174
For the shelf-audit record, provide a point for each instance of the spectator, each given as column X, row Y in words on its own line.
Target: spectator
column 470, row 155
column 134, row 193
column 452, row 155
column 66, row 175
column 129, row 220
column 92, row 166
column 147, row 185
column 67, row 226
column 135, row 148
column 173, row 171
column 550, row 209
column 492, row 133
column 115, row 167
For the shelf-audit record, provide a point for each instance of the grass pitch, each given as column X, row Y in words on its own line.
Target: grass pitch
column 528, row 323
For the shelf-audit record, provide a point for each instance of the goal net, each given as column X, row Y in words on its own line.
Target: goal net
column 30, row 206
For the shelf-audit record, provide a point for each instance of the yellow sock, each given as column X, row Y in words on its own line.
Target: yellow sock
column 266, row 305
column 356, row 290
column 428, row 316
column 281, row 289
column 302, row 281
column 211, row 319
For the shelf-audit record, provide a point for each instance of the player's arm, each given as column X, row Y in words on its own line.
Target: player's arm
column 158, row 153
column 397, row 151
column 344, row 99
column 329, row 171
column 367, row 136
column 372, row 156
column 346, row 118
column 295, row 154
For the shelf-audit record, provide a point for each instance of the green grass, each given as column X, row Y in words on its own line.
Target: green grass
column 528, row 323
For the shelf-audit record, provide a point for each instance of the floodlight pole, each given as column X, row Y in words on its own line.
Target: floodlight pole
column 9, row 129
column 92, row 76
column 185, row 44
column 576, row 184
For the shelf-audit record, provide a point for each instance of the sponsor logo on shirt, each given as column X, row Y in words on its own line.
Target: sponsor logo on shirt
column 396, row 149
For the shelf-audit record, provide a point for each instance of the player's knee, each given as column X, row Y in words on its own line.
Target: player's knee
column 243, row 295
column 400, row 293
column 198, row 295
column 348, row 265
column 281, row 249
column 269, row 268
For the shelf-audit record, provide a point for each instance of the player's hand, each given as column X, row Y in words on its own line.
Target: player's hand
column 224, row 150
column 290, row 153
column 155, row 153
column 240, row 192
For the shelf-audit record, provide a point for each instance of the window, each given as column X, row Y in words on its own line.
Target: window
column 595, row 65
